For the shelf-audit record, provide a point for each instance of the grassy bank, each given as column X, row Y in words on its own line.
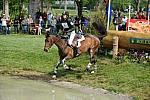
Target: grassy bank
column 25, row 52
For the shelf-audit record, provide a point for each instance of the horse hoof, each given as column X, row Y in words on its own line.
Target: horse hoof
column 54, row 76
column 87, row 69
column 92, row 72
column 66, row 67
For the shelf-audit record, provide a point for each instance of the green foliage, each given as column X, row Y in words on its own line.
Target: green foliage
column 119, row 4
column 15, row 4
column 99, row 17
column 123, row 4
column 1, row 5
column 91, row 3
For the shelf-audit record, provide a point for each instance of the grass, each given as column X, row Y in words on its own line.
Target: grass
column 25, row 52
column 72, row 12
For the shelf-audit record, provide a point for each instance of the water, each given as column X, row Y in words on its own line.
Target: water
column 21, row 89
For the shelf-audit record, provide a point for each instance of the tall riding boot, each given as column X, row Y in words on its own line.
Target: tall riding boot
column 78, row 52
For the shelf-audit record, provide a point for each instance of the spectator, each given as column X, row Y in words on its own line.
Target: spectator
column 16, row 24
column 135, row 16
column 8, row 25
column 49, row 17
column 40, row 25
column 4, row 24
column 24, row 25
column 37, row 16
column 85, row 24
column 124, row 21
column 53, row 25
column 30, row 22
column 44, row 16
column 141, row 15
column 21, row 18
column 117, row 21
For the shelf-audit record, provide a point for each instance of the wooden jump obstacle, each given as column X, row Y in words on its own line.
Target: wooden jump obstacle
column 126, row 40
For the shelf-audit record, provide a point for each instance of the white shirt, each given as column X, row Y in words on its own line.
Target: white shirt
column 4, row 22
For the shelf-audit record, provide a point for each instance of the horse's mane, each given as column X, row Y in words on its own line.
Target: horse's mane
column 47, row 35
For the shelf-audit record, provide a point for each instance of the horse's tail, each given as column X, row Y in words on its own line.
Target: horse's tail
column 100, row 28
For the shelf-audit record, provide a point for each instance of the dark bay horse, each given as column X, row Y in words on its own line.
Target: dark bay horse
column 90, row 44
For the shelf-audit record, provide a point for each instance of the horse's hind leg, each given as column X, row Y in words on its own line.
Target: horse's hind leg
column 92, row 60
column 88, row 66
column 90, row 63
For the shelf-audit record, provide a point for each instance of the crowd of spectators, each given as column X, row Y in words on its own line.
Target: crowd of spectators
column 27, row 25
column 120, row 19
column 43, row 21
column 33, row 24
column 139, row 15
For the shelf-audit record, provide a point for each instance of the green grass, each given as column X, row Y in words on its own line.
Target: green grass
column 25, row 52
column 71, row 12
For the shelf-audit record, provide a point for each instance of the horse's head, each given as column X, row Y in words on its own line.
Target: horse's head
column 49, row 41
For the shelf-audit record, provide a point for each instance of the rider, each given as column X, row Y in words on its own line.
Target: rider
column 67, row 26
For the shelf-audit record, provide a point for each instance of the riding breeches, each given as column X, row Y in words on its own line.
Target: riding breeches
column 72, row 35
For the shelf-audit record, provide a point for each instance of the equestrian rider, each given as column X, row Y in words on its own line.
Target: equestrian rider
column 67, row 26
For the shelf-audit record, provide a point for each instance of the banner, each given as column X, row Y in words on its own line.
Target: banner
column 139, row 41
column 138, row 25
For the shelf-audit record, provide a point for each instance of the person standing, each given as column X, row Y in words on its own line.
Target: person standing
column 53, row 25
column 40, row 25
column 8, row 25
column 4, row 24
column 16, row 24
column 24, row 25
column 124, row 21
column 30, row 22
column 44, row 16
column 49, row 17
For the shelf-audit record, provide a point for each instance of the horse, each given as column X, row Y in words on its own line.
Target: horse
column 90, row 44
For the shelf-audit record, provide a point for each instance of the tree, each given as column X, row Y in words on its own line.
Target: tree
column 6, row 8
column 65, row 8
column 137, row 2
column 90, row 3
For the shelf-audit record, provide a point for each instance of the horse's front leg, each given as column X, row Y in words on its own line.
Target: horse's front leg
column 57, row 65
column 64, row 64
column 56, row 68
